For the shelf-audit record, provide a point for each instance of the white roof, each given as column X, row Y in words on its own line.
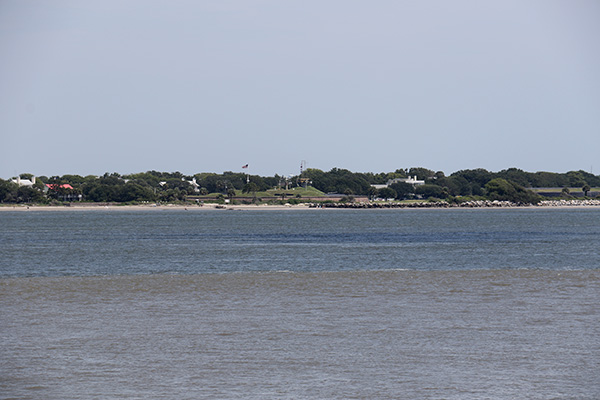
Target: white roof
column 23, row 182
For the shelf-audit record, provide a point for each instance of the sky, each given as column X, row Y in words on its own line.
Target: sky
column 95, row 86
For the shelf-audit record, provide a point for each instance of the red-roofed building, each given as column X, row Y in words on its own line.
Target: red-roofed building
column 62, row 191
column 55, row 186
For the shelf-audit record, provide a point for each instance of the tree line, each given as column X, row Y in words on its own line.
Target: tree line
column 151, row 186
column 511, row 184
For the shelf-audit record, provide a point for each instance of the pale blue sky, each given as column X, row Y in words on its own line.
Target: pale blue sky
column 88, row 87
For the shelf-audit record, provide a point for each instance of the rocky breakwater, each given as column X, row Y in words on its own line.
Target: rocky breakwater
column 569, row 203
column 424, row 204
column 490, row 203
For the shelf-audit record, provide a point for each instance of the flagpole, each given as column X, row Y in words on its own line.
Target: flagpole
column 247, row 173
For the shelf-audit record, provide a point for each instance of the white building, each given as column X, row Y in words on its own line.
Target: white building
column 24, row 182
column 410, row 180
column 194, row 185
column 379, row 186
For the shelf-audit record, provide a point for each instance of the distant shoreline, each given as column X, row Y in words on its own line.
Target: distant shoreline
column 166, row 207
column 550, row 204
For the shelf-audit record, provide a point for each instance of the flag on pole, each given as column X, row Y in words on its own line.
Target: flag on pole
column 245, row 166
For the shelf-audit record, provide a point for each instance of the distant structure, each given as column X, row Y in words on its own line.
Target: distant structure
column 195, row 185
column 67, row 194
column 304, row 182
column 410, row 180
column 56, row 186
column 24, row 182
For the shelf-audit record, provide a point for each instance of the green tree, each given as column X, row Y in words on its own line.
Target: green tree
column 101, row 193
column 27, row 194
column 403, row 190
column 590, row 179
column 372, row 193
column 135, row 192
column 8, row 191
column 501, row 189
column 476, row 179
column 585, row 189
column 209, row 181
column 576, row 178
column 338, row 181
column 549, row 179
column 251, row 188
column 230, row 193
column 421, row 173
column 515, row 175
column 428, row 191
column 387, row 193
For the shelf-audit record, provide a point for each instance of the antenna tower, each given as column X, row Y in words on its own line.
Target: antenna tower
column 302, row 181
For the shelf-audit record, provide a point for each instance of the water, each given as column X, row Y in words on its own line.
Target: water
column 340, row 304
column 91, row 243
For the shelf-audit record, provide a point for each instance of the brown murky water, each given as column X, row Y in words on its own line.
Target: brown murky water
column 496, row 334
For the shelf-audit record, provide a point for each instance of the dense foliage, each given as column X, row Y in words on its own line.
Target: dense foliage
column 511, row 184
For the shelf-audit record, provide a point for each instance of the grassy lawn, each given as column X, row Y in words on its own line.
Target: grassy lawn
column 289, row 193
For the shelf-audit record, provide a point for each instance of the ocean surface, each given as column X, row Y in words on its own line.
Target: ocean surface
column 307, row 304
